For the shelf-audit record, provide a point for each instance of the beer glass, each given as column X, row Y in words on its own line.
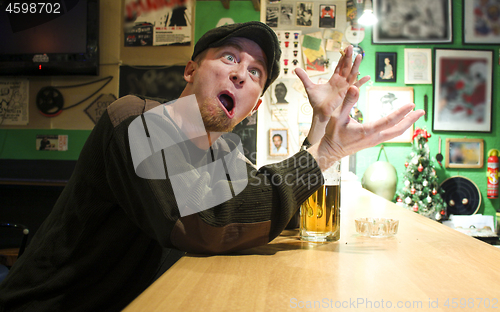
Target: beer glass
column 320, row 213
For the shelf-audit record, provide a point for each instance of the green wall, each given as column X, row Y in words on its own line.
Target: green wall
column 18, row 143
column 239, row 12
column 21, row 144
column 397, row 152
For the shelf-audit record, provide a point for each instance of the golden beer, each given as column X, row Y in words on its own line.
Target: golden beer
column 320, row 213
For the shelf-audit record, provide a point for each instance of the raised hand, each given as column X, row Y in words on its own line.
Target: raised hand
column 345, row 136
column 325, row 98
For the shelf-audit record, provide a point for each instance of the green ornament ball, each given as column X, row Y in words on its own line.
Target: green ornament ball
column 381, row 178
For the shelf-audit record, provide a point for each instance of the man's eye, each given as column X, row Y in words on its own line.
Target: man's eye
column 229, row 57
column 255, row 72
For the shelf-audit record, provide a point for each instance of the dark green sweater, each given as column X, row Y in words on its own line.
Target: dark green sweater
column 112, row 233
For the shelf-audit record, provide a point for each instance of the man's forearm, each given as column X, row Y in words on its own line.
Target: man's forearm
column 317, row 130
column 323, row 158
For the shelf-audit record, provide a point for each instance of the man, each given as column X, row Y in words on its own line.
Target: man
column 112, row 233
column 280, row 93
column 387, row 73
column 278, row 141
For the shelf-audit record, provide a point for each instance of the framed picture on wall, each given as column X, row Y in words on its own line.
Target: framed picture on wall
column 278, row 142
column 464, row 153
column 481, row 22
column 418, row 66
column 304, row 14
column 384, row 100
column 280, row 91
column 286, row 15
column 272, row 13
column 385, row 69
column 409, row 21
column 462, row 90
column 327, row 15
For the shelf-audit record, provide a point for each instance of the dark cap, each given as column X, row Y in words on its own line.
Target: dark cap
column 258, row 32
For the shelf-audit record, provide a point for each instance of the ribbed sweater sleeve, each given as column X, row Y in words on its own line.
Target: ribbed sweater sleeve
column 252, row 217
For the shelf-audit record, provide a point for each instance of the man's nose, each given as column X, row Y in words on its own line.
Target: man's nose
column 238, row 76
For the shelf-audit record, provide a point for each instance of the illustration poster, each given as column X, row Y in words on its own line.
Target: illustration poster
column 14, row 102
column 286, row 17
column 304, row 13
column 272, row 13
column 481, row 21
column 385, row 100
column 157, row 23
column 463, row 93
column 163, row 82
column 51, row 142
column 327, row 16
column 291, row 56
column 315, row 58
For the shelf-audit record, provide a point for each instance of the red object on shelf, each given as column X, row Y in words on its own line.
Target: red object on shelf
column 492, row 170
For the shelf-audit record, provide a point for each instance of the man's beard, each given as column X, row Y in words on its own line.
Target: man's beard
column 215, row 120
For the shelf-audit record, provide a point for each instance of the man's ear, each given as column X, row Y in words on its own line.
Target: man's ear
column 189, row 71
column 256, row 106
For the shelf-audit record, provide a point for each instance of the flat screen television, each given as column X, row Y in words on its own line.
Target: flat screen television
column 58, row 37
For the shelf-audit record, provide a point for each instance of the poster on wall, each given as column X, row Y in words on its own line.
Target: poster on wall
column 408, row 21
column 327, row 16
column 352, row 14
column 165, row 82
column 291, row 56
column 481, row 22
column 382, row 101
column 272, row 13
column 286, row 15
column 51, row 142
column 14, row 102
column 463, row 90
column 418, row 66
column 280, row 88
column 278, row 142
column 304, row 14
column 157, row 23
column 315, row 58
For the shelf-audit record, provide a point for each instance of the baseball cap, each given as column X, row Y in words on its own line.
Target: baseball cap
column 258, row 32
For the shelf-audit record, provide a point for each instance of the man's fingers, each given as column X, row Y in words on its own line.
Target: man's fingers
column 362, row 81
column 344, row 61
column 350, row 99
column 401, row 127
column 355, row 66
column 340, row 63
column 306, row 81
column 342, row 117
column 347, row 64
column 391, row 120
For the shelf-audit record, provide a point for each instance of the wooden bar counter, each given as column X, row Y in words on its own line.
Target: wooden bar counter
column 425, row 267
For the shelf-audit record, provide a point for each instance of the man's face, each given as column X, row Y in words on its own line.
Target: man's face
column 280, row 92
column 277, row 141
column 228, row 83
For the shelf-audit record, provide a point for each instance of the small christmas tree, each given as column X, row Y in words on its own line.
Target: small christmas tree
column 421, row 192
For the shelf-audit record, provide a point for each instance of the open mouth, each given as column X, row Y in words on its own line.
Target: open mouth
column 227, row 102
